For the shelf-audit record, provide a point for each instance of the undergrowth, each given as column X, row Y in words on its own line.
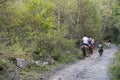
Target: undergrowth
column 115, row 67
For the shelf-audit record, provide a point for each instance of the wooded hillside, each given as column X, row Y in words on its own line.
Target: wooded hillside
column 54, row 26
column 34, row 29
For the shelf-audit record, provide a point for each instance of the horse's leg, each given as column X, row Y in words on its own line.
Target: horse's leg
column 84, row 52
column 91, row 51
column 83, row 55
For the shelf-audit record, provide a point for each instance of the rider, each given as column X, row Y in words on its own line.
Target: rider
column 85, row 40
column 92, row 42
column 89, row 40
column 84, row 45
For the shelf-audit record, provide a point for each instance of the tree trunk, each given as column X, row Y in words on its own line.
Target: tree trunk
column 59, row 15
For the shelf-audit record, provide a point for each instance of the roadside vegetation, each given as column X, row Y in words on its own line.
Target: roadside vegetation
column 115, row 67
column 9, row 70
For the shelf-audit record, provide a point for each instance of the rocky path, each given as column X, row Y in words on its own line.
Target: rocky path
column 93, row 68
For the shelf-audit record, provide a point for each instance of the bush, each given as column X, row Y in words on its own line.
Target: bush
column 115, row 68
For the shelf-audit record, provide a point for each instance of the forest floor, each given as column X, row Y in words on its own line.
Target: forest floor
column 92, row 68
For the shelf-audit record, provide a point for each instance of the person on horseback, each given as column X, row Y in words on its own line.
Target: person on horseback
column 90, row 46
column 92, row 42
column 89, row 40
column 85, row 40
column 84, row 45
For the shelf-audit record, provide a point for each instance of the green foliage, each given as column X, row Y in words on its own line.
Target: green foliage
column 43, row 13
column 52, row 27
column 5, row 64
column 115, row 68
column 112, row 28
column 32, row 25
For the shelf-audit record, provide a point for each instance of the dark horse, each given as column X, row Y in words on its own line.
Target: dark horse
column 87, row 50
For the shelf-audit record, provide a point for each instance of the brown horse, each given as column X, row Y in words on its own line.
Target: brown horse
column 87, row 50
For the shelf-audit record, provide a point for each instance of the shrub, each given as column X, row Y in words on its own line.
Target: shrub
column 115, row 68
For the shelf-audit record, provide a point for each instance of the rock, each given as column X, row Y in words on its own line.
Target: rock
column 41, row 78
column 50, row 60
column 45, row 63
column 69, row 52
column 60, row 79
column 38, row 62
column 22, row 63
column 77, row 76
column 11, row 70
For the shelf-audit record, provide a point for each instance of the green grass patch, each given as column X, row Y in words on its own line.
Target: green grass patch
column 34, row 72
column 115, row 67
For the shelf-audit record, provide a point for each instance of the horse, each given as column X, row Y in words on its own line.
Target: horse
column 87, row 50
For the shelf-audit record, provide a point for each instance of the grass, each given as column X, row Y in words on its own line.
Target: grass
column 115, row 67
column 33, row 72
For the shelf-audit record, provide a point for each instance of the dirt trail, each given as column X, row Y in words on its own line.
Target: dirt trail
column 93, row 68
